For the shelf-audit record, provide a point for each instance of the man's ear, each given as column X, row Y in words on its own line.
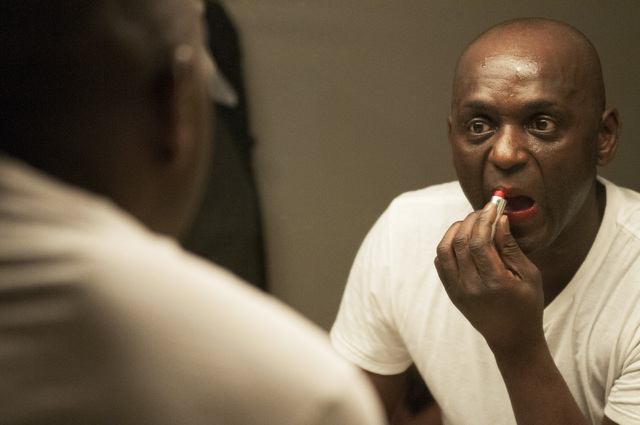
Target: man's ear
column 608, row 137
column 175, row 106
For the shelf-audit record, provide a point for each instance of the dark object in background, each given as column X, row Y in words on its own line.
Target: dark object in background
column 228, row 228
column 417, row 406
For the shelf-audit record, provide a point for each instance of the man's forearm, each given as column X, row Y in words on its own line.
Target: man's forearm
column 538, row 392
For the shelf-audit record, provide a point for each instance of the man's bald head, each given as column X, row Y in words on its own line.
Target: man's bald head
column 65, row 63
column 111, row 96
column 545, row 40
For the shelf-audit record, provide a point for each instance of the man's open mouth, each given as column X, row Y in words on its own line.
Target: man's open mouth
column 519, row 203
column 520, row 208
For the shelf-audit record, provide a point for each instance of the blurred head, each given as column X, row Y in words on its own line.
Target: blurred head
column 112, row 96
column 528, row 116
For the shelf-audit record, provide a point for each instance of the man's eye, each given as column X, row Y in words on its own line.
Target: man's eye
column 478, row 127
column 543, row 124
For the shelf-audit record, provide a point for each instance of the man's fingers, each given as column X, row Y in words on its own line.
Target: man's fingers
column 465, row 256
column 511, row 254
column 463, row 243
column 485, row 257
column 446, row 262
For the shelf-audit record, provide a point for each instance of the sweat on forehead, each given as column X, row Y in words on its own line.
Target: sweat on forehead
column 545, row 40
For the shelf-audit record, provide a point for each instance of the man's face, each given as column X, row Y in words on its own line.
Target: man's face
column 522, row 121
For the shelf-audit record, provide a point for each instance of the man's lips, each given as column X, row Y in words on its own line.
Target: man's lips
column 519, row 206
column 516, row 216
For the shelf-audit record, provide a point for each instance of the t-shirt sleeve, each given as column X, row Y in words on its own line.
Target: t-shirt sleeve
column 364, row 331
column 623, row 404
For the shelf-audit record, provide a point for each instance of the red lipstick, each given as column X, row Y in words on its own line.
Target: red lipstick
column 516, row 216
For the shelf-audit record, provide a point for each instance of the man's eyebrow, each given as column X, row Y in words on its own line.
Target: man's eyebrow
column 478, row 105
column 532, row 106
column 540, row 104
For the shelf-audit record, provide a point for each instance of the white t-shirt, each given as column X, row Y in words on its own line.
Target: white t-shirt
column 104, row 322
column 395, row 312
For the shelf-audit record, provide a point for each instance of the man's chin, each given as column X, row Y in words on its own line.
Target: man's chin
column 529, row 243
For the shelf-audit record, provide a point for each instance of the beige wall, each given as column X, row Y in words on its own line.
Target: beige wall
column 348, row 103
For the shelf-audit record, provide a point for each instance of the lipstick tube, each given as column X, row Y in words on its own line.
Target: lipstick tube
column 500, row 203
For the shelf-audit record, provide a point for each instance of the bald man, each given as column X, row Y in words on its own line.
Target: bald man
column 540, row 325
column 104, row 319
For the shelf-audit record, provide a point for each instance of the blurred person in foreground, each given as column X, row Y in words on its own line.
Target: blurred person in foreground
column 104, row 319
column 540, row 325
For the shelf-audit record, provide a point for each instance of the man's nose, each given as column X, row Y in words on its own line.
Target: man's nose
column 509, row 151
